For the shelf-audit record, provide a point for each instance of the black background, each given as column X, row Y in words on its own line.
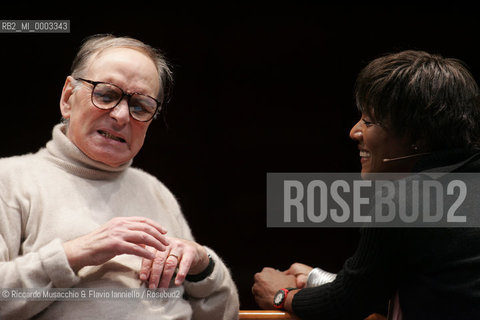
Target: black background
column 259, row 88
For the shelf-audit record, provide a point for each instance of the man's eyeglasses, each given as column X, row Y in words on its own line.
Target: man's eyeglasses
column 107, row 96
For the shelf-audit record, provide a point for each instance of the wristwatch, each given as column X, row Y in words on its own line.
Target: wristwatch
column 280, row 297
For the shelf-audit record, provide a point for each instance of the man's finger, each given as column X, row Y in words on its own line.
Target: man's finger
column 156, row 270
column 183, row 268
column 133, row 248
column 169, row 269
column 148, row 229
column 146, row 264
column 140, row 238
column 145, row 269
column 154, row 224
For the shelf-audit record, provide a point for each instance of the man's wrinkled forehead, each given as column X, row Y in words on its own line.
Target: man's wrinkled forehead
column 104, row 52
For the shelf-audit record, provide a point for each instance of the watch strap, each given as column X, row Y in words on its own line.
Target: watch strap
column 281, row 304
column 204, row 274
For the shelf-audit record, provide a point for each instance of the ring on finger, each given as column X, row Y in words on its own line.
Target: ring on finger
column 174, row 255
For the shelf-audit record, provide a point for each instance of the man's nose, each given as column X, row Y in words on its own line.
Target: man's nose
column 356, row 131
column 121, row 113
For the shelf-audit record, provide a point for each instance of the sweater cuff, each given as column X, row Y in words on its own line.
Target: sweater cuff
column 56, row 266
column 210, row 284
column 308, row 301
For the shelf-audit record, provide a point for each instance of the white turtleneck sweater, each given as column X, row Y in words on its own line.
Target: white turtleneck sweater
column 59, row 194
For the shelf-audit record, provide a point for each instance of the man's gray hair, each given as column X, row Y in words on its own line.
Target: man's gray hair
column 95, row 44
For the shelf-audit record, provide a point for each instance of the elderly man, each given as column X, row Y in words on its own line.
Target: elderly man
column 76, row 214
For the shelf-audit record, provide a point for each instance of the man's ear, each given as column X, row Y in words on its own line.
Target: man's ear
column 65, row 101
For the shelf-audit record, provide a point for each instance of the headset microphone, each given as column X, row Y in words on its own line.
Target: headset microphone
column 406, row 157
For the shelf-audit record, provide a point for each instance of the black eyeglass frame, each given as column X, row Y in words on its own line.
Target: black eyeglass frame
column 128, row 95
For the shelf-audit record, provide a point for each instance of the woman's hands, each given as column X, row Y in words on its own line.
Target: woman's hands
column 269, row 281
column 300, row 271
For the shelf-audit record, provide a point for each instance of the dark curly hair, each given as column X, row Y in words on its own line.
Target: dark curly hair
column 422, row 96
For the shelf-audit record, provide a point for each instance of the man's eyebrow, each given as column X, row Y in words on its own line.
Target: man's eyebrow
column 143, row 90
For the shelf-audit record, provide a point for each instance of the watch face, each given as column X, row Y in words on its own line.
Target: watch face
column 278, row 299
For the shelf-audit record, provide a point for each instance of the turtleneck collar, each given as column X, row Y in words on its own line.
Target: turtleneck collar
column 66, row 154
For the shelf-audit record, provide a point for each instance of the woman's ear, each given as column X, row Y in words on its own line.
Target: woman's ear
column 420, row 146
column 65, row 99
